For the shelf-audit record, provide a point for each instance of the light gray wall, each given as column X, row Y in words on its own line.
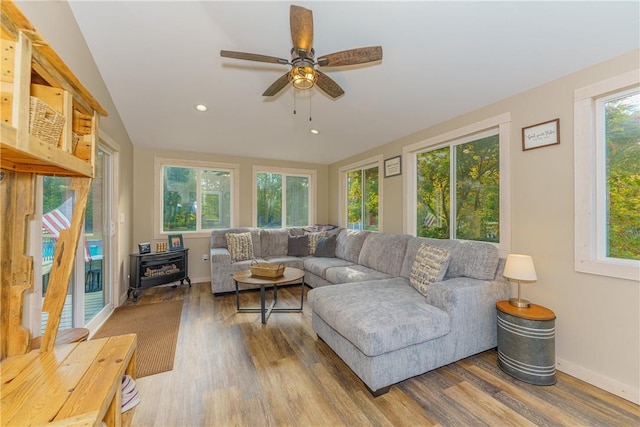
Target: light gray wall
column 598, row 318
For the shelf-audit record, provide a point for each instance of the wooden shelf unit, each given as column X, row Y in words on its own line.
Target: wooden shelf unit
column 30, row 67
column 70, row 384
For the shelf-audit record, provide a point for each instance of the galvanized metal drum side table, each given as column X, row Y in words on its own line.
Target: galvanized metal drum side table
column 526, row 343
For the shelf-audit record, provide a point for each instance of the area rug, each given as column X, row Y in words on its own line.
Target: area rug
column 157, row 327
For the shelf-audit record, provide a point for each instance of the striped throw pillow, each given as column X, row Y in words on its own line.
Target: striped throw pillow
column 429, row 266
column 240, row 246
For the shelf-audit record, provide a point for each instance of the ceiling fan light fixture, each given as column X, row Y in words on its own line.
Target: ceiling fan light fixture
column 303, row 77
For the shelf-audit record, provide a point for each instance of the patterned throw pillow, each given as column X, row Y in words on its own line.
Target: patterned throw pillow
column 240, row 246
column 313, row 240
column 429, row 266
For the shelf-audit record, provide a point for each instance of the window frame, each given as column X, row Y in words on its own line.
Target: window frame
column 590, row 180
column 160, row 162
column 367, row 163
column 500, row 125
column 310, row 174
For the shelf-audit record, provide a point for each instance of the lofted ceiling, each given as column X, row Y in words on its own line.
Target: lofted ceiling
column 440, row 59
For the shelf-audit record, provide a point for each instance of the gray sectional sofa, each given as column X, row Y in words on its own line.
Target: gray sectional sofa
column 371, row 316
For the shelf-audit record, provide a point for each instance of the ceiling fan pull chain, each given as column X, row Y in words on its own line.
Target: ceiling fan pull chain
column 309, row 107
column 294, row 101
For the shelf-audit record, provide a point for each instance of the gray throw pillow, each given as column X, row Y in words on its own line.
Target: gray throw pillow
column 326, row 247
column 298, row 246
column 429, row 266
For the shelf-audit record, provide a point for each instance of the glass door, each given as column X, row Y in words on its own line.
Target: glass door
column 89, row 291
column 57, row 207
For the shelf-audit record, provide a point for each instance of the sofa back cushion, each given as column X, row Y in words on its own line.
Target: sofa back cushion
column 349, row 243
column 219, row 239
column 478, row 260
column 384, row 252
column 274, row 242
column 296, row 231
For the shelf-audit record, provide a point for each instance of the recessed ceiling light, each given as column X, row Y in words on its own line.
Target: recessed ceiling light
column 201, row 107
column 314, row 131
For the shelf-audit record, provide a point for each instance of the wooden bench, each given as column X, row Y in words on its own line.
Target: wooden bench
column 74, row 384
column 64, row 336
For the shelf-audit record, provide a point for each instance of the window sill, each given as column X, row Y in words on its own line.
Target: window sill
column 620, row 269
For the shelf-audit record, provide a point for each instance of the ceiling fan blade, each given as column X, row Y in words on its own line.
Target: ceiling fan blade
column 328, row 86
column 252, row 57
column 278, row 85
column 301, row 21
column 360, row 55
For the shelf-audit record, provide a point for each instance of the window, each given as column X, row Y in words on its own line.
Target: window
column 607, row 174
column 361, row 195
column 195, row 196
column 283, row 197
column 458, row 184
column 362, row 198
column 472, row 210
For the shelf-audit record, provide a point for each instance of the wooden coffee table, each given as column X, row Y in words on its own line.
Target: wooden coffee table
column 291, row 275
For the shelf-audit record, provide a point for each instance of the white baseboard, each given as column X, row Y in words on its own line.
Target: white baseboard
column 624, row 391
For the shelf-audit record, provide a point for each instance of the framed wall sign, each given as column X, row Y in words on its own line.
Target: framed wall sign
column 175, row 242
column 144, row 248
column 393, row 166
column 541, row 135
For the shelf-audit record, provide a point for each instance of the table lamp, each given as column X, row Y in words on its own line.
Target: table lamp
column 519, row 268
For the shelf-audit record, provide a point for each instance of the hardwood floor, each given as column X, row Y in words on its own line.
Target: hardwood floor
column 230, row 370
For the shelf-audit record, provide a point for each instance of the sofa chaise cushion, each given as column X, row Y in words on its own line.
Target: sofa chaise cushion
column 353, row 311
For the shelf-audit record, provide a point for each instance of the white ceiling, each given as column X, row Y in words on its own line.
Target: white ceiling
column 440, row 59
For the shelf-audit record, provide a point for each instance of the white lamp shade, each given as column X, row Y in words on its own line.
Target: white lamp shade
column 520, row 267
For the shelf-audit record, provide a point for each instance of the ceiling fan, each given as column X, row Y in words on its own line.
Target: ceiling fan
column 303, row 73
